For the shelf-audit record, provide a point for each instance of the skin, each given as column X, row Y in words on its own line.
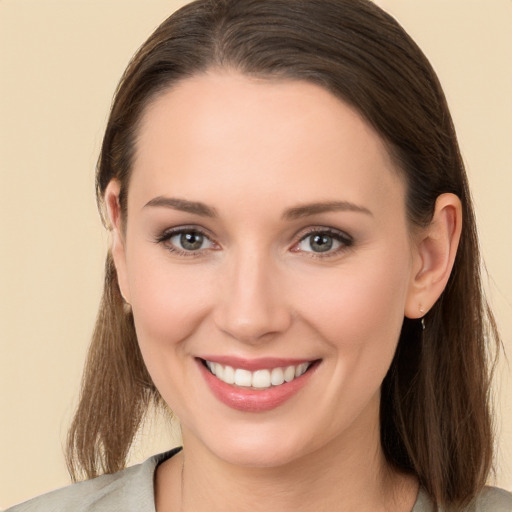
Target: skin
column 252, row 150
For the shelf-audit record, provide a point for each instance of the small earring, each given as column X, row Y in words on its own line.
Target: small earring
column 422, row 321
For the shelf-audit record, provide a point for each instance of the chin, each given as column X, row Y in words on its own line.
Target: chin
column 261, row 449
column 269, row 456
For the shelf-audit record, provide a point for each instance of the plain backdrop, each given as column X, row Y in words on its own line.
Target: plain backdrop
column 60, row 61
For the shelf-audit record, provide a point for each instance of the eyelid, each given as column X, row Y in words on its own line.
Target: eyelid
column 344, row 238
column 165, row 235
column 304, row 233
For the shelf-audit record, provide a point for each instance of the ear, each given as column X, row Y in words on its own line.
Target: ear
column 118, row 238
column 435, row 251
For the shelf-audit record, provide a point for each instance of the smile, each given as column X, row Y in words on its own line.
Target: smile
column 259, row 379
column 256, row 385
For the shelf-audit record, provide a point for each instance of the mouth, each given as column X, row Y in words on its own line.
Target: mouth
column 256, row 386
column 259, row 379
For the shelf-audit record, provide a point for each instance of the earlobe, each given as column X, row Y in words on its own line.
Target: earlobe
column 117, row 248
column 435, row 253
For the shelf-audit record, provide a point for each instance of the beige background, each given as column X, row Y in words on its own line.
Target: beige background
column 59, row 64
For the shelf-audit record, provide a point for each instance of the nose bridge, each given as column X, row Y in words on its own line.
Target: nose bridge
column 251, row 306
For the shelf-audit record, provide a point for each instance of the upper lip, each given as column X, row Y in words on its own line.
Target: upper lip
column 260, row 363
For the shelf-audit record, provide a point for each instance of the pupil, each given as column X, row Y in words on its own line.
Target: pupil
column 191, row 241
column 321, row 243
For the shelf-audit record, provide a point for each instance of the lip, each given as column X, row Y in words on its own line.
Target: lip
column 253, row 400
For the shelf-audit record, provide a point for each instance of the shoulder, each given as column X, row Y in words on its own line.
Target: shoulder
column 493, row 499
column 127, row 490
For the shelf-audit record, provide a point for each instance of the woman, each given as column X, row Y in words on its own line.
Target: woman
column 293, row 271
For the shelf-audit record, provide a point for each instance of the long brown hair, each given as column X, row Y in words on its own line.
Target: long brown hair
column 435, row 418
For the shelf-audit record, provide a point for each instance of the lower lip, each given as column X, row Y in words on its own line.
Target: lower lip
column 254, row 400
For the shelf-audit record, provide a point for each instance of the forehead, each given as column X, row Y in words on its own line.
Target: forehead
column 281, row 139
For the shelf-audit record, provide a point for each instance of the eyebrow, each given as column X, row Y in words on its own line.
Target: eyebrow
column 183, row 205
column 297, row 212
column 323, row 207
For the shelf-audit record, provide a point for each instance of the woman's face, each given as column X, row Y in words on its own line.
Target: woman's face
column 266, row 235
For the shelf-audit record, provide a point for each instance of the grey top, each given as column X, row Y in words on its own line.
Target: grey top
column 132, row 490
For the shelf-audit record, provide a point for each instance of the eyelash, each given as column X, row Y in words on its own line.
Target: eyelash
column 166, row 236
column 345, row 241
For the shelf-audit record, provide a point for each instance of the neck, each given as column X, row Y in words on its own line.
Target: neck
column 197, row 480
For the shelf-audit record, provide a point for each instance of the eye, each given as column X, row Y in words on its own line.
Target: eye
column 190, row 241
column 326, row 241
column 185, row 241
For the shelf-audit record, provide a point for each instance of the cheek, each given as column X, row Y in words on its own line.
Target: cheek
column 168, row 300
column 169, row 303
column 359, row 307
column 359, row 314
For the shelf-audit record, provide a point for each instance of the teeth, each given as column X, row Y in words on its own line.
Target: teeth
column 242, row 377
column 229, row 375
column 301, row 369
column 219, row 371
column 289, row 373
column 259, row 379
column 277, row 377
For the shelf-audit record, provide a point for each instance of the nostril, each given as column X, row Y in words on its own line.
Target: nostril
column 254, row 326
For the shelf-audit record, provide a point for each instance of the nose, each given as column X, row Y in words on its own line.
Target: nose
column 252, row 307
